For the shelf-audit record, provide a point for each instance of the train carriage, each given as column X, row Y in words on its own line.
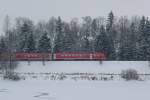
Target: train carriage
column 79, row 56
column 98, row 56
column 59, row 56
column 33, row 56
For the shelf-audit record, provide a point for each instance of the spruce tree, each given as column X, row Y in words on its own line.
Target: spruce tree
column 147, row 30
column 59, row 38
column 128, row 49
column 3, row 47
column 102, row 43
column 3, row 55
column 142, row 43
column 111, row 33
column 59, row 25
column 133, row 42
column 31, row 44
column 86, row 45
column 44, row 44
column 68, row 41
column 94, row 28
column 110, row 21
column 23, row 36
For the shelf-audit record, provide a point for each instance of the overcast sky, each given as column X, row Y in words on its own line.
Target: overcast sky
column 67, row 9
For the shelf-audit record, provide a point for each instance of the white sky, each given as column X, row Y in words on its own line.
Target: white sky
column 67, row 9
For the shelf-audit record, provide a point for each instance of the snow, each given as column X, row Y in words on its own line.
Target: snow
column 46, row 89
column 83, row 67
column 72, row 90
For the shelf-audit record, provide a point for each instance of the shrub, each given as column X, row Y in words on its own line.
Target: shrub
column 62, row 77
column 130, row 74
column 94, row 78
column 11, row 76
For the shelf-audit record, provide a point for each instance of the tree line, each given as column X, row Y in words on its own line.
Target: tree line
column 119, row 38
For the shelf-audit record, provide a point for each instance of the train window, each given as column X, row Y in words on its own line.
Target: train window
column 28, row 55
column 25, row 56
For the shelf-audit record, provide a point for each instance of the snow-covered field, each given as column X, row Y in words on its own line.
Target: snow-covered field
column 83, row 67
column 67, row 89
column 72, row 90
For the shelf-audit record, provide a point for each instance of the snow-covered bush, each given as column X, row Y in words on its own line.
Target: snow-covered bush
column 62, row 77
column 11, row 76
column 130, row 74
column 94, row 78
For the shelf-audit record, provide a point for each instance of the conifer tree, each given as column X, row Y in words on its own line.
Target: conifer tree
column 23, row 36
column 86, row 45
column 60, row 37
column 3, row 47
column 31, row 44
column 94, row 27
column 128, row 49
column 44, row 44
column 144, row 40
column 102, row 43
column 68, row 40
column 110, row 21
column 147, row 35
column 142, row 45
column 111, row 36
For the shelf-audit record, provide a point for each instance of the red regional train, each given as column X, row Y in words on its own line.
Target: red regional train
column 60, row 56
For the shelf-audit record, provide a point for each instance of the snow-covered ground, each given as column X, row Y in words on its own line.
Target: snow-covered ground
column 83, row 67
column 68, row 89
column 72, row 90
